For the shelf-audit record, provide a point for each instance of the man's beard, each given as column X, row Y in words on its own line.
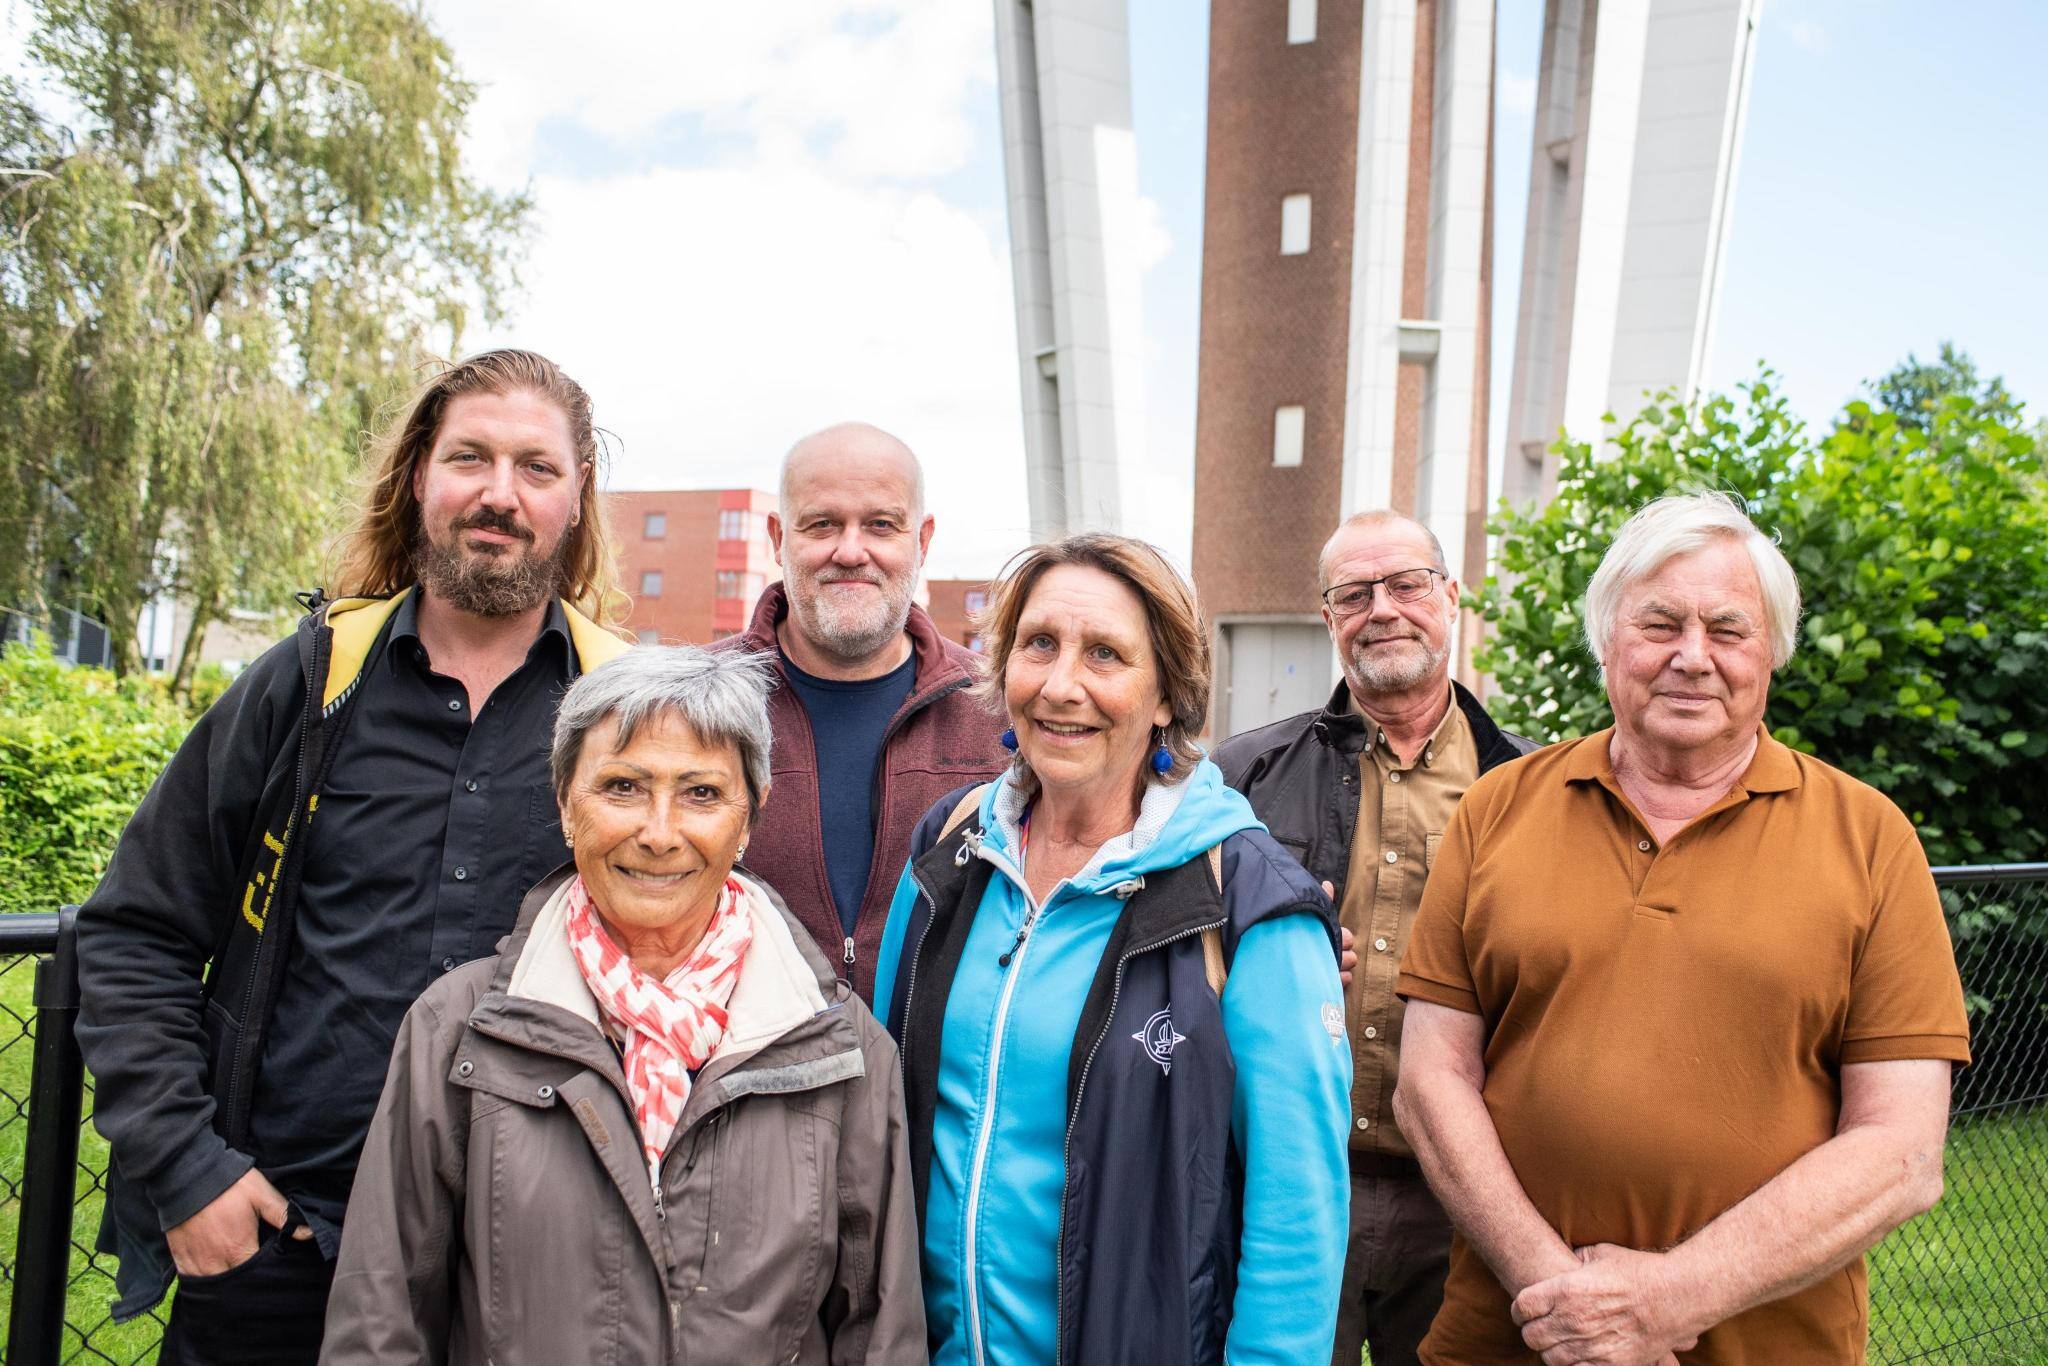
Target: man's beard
column 502, row 583
column 845, row 632
column 1382, row 672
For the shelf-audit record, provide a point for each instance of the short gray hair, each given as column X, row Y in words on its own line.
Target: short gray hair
column 1680, row 524
column 722, row 697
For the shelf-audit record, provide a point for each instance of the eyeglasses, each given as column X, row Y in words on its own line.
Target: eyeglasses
column 1410, row 585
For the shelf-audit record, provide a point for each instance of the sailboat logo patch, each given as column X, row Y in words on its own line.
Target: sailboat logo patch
column 1158, row 1039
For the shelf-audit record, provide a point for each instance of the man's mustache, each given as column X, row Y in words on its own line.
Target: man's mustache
column 483, row 519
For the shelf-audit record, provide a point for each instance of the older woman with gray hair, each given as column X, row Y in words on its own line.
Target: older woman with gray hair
column 654, row 1127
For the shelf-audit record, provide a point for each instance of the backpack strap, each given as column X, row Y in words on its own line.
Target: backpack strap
column 964, row 808
column 1213, row 966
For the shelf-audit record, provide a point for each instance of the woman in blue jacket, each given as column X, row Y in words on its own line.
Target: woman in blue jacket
column 1119, row 1010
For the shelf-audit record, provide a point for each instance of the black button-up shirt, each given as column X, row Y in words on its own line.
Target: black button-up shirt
column 431, row 826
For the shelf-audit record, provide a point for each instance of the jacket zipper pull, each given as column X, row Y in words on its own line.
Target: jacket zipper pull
column 847, row 957
column 1023, row 933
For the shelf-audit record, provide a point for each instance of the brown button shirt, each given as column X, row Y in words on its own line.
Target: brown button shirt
column 1403, row 810
column 1666, row 1024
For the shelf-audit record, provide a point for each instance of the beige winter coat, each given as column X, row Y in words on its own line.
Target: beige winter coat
column 503, row 1215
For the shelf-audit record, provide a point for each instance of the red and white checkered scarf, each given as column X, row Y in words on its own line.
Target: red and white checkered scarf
column 671, row 1027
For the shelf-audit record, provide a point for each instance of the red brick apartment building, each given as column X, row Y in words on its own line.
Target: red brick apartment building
column 692, row 560
column 952, row 605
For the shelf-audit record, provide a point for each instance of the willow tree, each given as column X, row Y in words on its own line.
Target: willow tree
column 229, row 231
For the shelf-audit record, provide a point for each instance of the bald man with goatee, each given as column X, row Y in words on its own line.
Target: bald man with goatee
column 873, row 721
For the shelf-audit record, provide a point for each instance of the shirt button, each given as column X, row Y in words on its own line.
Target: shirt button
column 1643, row 845
column 470, row 785
column 1380, row 944
column 447, row 965
column 1394, row 777
column 461, row 874
column 1371, row 1032
column 454, row 705
column 1365, row 1124
column 1393, row 857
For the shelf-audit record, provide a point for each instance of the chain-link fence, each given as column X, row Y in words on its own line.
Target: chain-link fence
column 1967, row 1283
column 46, row 1256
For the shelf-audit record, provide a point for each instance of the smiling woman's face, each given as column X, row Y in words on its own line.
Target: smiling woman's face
column 655, row 826
column 1082, row 682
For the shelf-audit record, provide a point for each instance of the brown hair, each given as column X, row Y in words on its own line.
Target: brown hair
column 375, row 557
column 1173, row 619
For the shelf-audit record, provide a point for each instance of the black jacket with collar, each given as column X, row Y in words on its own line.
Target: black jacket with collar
column 1301, row 776
column 183, row 946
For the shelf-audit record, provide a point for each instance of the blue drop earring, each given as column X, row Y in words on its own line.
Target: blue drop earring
column 1162, row 761
column 1010, row 741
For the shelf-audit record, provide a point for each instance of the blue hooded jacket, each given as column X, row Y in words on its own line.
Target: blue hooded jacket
column 1033, row 1127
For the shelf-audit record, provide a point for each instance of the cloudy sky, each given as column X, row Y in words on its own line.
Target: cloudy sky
column 755, row 219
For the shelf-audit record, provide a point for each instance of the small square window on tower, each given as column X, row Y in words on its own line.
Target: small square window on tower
column 655, row 527
column 650, row 583
column 1301, row 21
column 1294, row 225
column 1287, row 425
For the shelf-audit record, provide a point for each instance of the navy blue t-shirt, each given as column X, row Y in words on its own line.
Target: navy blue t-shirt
column 848, row 721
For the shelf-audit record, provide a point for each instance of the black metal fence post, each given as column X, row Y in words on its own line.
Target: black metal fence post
column 42, row 1242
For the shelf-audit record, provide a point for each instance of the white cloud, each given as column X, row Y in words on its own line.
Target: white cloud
column 775, row 253
column 883, row 83
column 1153, row 239
column 1515, row 96
column 1808, row 35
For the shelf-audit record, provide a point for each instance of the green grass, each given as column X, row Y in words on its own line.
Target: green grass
column 1948, row 1284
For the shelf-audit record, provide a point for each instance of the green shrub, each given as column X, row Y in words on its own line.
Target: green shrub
column 78, row 749
column 1922, row 550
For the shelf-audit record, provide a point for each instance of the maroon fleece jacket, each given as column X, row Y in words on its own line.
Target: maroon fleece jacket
column 939, row 740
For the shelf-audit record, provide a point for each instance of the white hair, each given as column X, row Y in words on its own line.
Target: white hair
column 1681, row 524
column 722, row 697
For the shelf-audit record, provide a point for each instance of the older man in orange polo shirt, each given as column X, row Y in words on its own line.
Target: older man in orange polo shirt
column 1682, row 1009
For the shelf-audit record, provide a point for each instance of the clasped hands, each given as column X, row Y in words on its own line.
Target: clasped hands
column 1613, row 1309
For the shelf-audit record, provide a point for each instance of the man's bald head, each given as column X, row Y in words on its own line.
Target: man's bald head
column 855, row 449
column 1367, row 527
column 850, row 533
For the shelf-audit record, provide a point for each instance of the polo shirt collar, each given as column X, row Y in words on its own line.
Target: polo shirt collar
column 1771, row 769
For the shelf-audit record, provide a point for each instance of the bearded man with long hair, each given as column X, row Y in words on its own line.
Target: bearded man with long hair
column 351, row 820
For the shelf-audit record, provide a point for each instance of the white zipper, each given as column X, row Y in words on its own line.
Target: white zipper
column 978, row 1168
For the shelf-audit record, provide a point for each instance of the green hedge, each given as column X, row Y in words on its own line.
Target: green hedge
column 78, row 749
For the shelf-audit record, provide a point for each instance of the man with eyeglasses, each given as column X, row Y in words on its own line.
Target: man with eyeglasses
column 1361, row 792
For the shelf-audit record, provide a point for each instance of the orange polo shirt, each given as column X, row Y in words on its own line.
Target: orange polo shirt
column 1666, row 1026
